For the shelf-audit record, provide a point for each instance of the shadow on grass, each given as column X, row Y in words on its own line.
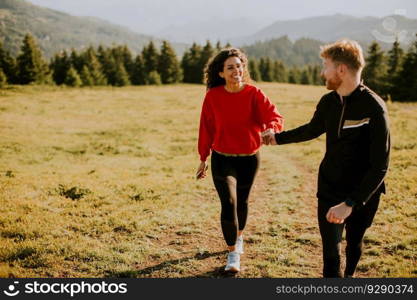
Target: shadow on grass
column 218, row 272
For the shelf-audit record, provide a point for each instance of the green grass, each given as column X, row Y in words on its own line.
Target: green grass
column 100, row 182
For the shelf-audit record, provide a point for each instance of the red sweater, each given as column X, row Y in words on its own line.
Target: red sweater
column 232, row 122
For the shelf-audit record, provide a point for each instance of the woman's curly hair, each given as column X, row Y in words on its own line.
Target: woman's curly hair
column 216, row 64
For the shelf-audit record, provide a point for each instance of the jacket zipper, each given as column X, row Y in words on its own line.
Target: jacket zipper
column 341, row 116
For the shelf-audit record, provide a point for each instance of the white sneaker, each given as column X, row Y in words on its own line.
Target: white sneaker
column 239, row 244
column 233, row 262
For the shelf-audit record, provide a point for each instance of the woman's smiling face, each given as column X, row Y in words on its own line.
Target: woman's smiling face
column 232, row 70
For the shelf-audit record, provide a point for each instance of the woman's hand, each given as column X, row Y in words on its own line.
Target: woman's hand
column 268, row 137
column 202, row 170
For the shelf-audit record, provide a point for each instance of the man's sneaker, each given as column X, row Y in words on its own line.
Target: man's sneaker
column 239, row 244
column 233, row 262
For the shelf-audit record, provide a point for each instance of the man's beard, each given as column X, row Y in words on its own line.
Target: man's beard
column 333, row 83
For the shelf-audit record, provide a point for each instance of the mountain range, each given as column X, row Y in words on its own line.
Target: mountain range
column 215, row 29
column 55, row 31
column 246, row 31
column 331, row 28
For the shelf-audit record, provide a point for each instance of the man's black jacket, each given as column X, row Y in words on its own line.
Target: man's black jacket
column 357, row 144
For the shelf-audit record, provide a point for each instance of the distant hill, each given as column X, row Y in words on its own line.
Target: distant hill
column 331, row 28
column 56, row 31
column 295, row 42
column 215, row 29
column 302, row 51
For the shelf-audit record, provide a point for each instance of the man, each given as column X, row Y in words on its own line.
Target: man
column 351, row 175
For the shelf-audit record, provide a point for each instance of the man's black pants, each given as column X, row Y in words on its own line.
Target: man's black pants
column 331, row 235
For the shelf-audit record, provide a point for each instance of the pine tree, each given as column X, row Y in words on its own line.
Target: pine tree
column 112, row 67
column 59, row 66
column 128, row 61
column 206, row 53
column 374, row 72
column 266, row 69
column 8, row 65
column 94, row 67
column 139, row 76
column 31, row 68
column 395, row 57
column 122, row 54
column 186, row 66
column 150, row 58
column 254, row 70
column 3, row 79
column 72, row 79
column 316, row 75
column 407, row 83
column 121, row 78
column 305, row 77
column 76, row 60
column 261, row 66
column 102, row 55
column 154, row 78
column 168, row 66
column 218, row 46
column 190, row 64
column 86, row 78
column 294, row 75
column 279, row 73
column 107, row 64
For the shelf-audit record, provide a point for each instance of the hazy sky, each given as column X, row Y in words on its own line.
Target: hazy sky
column 151, row 16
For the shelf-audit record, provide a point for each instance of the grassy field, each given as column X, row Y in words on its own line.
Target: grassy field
column 100, row 183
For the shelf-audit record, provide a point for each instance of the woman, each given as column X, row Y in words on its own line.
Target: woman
column 234, row 115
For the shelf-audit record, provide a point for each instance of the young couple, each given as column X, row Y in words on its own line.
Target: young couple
column 237, row 117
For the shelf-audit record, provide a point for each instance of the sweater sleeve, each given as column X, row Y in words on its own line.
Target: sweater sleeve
column 206, row 131
column 267, row 113
column 309, row 131
column 379, row 156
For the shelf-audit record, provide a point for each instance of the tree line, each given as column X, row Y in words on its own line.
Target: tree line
column 102, row 66
column 392, row 75
column 117, row 66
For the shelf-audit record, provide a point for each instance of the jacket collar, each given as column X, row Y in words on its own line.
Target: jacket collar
column 356, row 92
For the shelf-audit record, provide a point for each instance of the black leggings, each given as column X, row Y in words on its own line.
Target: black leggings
column 331, row 235
column 233, row 178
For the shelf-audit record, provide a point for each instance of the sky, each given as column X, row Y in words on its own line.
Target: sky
column 153, row 16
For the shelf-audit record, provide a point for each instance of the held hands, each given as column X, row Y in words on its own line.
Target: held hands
column 338, row 213
column 202, row 170
column 268, row 137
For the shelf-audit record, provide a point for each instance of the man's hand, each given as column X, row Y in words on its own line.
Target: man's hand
column 338, row 213
column 268, row 137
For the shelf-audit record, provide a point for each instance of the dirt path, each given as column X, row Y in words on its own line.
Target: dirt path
column 272, row 235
